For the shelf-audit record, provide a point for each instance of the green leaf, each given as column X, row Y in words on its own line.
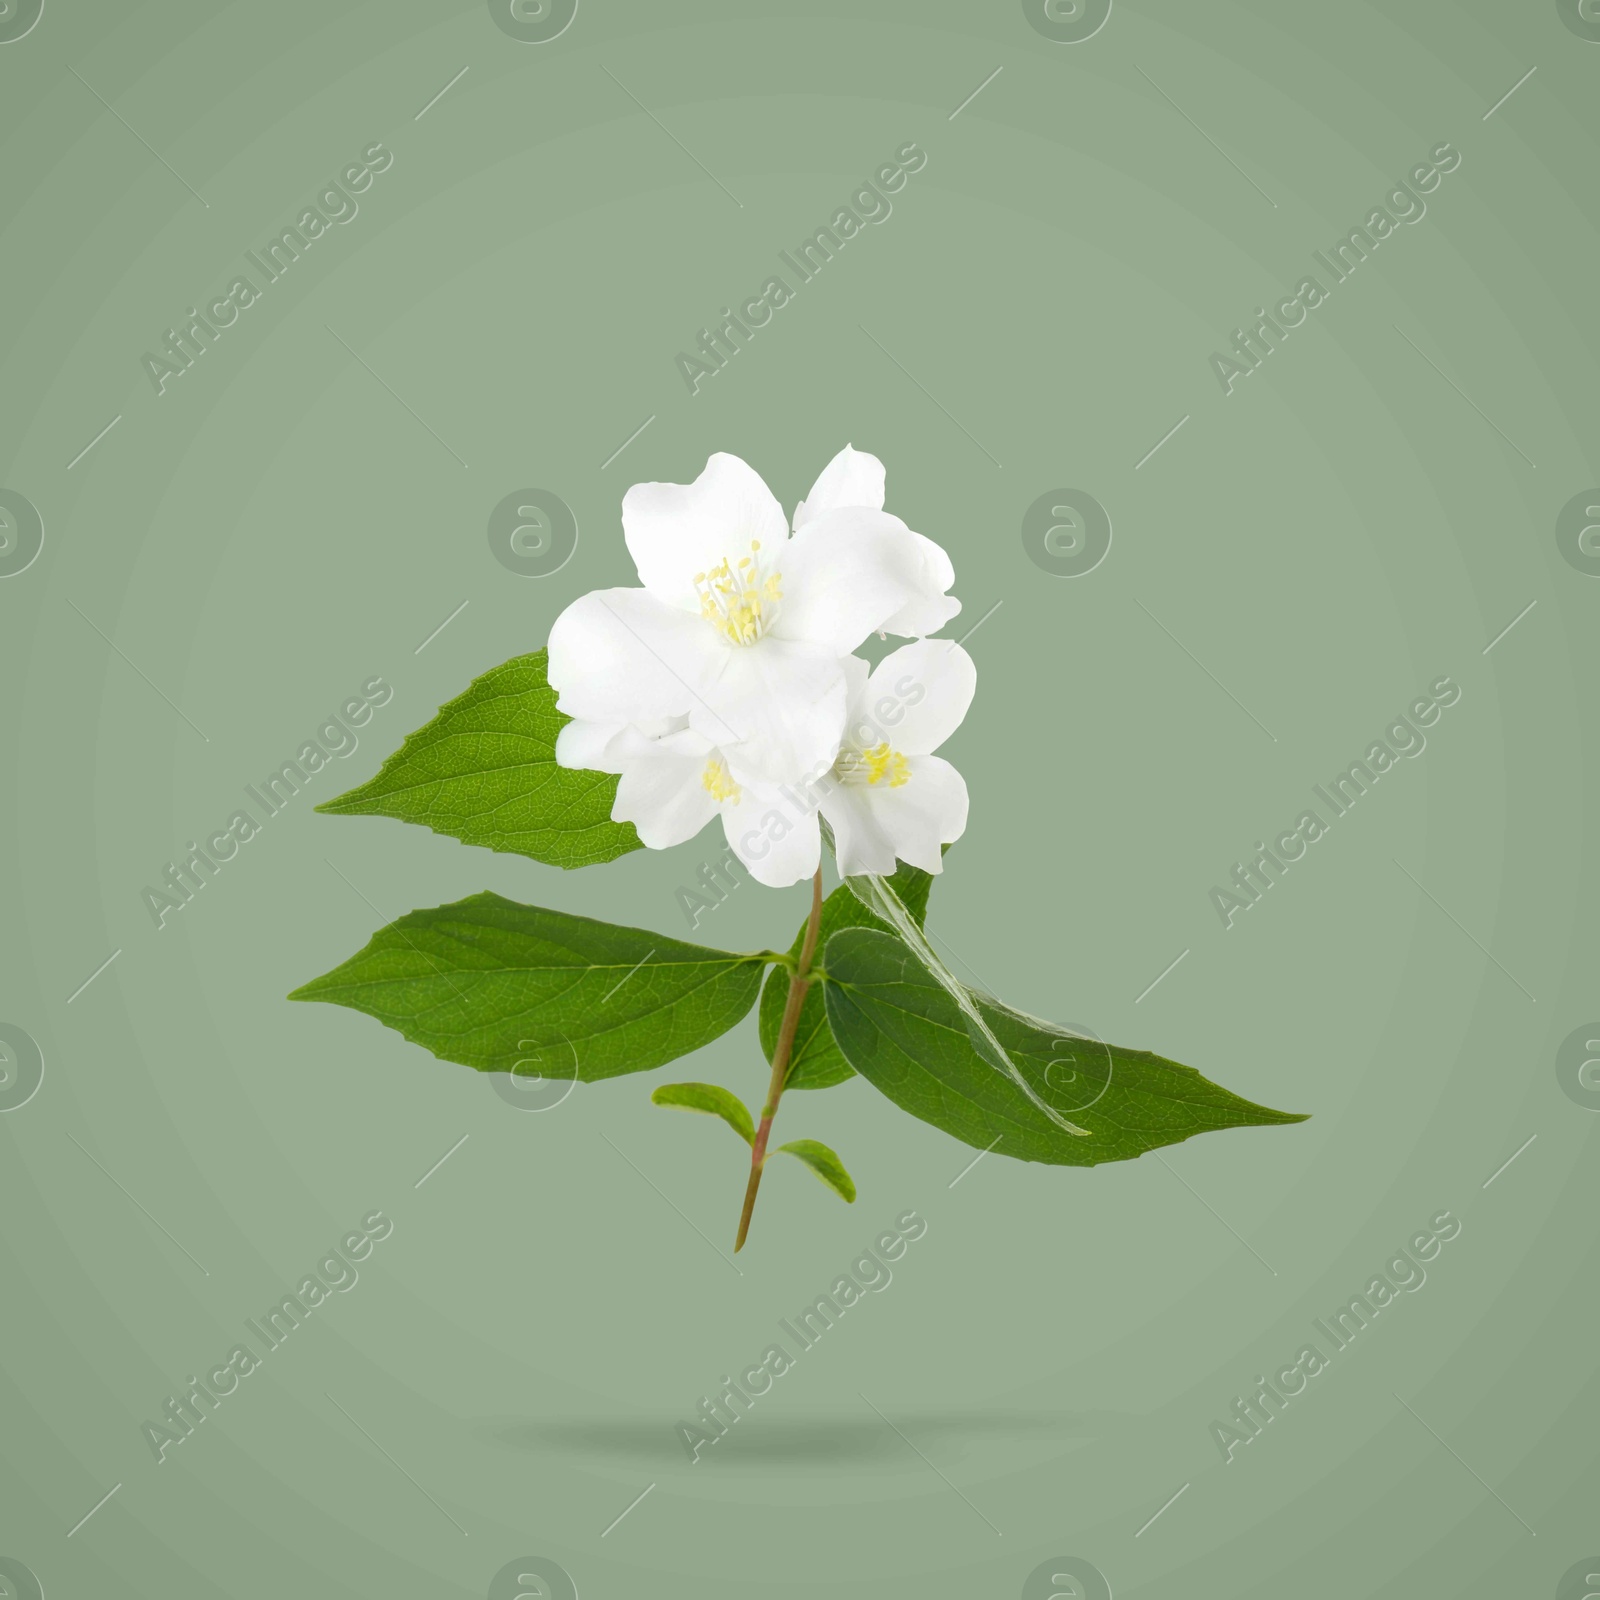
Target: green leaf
column 815, row 1061
column 484, row 772
column 501, row 986
column 825, row 1164
column 901, row 1030
column 712, row 1100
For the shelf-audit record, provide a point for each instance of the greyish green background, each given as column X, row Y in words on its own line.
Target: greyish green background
column 1297, row 562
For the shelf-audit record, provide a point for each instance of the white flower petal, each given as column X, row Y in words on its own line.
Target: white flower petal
column 676, row 530
column 932, row 607
column 856, row 703
column 922, row 616
column 915, row 698
column 779, row 841
column 846, row 575
column 856, row 479
column 852, row 478
column 872, row 823
column 620, row 655
column 776, row 708
column 583, row 745
column 861, row 842
column 662, row 790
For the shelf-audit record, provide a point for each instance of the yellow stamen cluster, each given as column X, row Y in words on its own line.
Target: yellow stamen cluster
column 884, row 764
column 880, row 764
column 718, row 782
column 740, row 602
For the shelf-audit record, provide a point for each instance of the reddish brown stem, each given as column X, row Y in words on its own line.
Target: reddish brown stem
column 780, row 1058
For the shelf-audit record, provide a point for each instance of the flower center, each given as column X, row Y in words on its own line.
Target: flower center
column 718, row 782
column 740, row 601
column 878, row 765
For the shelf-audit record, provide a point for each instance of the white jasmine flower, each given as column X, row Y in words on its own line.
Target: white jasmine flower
column 674, row 781
column 891, row 796
column 855, row 480
column 739, row 627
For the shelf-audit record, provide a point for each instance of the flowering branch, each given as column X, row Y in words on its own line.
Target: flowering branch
column 714, row 691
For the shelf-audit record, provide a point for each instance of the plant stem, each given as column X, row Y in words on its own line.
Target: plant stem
column 780, row 1057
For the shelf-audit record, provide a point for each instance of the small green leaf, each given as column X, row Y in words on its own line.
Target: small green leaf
column 825, row 1164
column 501, row 987
column 712, row 1100
column 484, row 772
column 815, row 1061
column 901, row 1030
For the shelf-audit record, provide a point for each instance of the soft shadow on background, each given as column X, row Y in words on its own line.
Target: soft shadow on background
column 817, row 1440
